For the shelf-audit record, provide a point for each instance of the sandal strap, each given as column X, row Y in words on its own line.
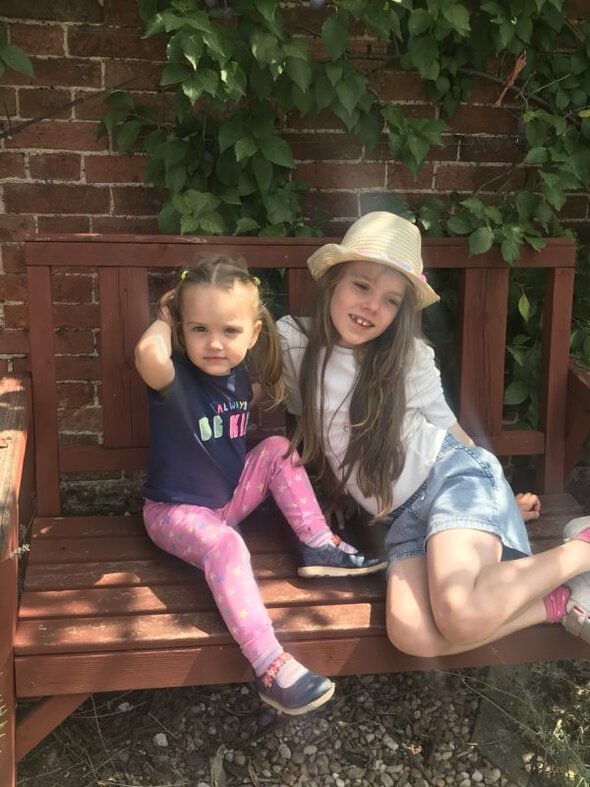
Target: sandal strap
column 270, row 674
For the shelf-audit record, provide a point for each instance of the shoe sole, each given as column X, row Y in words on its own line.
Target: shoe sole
column 327, row 695
column 329, row 571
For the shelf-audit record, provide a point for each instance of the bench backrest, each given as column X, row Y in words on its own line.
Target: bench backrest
column 115, row 271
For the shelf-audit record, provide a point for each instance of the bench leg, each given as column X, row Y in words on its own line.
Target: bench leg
column 43, row 719
column 7, row 725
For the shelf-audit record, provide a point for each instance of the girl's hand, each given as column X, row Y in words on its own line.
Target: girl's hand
column 338, row 510
column 163, row 309
column 529, row 504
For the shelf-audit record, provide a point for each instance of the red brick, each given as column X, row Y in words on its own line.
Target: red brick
column 13, row 258
column 324, row 121
column 14, row 342
column 396, row 85
column 487, row 92
column 4, row 366
column 112, row 42
column 324, row 146
column 21, row 365
column 126, row 225
column 122, row 13
column 51, row 224
column 577, row 9
column 490, row 120
column 345, row 176
column 55, row 198
column 70, row 367
column 16, row 228
column 34, row 102
column 399, row 177
column 8, row 101
column 139, row 75
column 95, row 107
column 12, row 165
column 16, row 315
column 58, row 71
column 336, row 203
column 14, row 287
column 73, row 288
column 492, row 149
column 71, row 342
column 38, row 39
column 115, row 169
column 55, row 166
column 576, row 207
column 445, row 152
column 58, row 135
column 470, row 178
column 75, row 394
column 74, row 315
column 62, row 11
column 137, row 200
column 83, row 419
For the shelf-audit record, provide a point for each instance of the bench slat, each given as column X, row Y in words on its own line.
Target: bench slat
column 155, row 631
column 192, row 597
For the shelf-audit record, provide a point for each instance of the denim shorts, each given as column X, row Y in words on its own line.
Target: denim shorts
column 466, row 488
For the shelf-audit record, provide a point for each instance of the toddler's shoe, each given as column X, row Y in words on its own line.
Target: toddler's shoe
column 329, row 561
column 575, row 526
column 577, row 617
column 306, row 694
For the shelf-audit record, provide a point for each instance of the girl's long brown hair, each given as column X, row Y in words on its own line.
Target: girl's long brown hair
column 264, row 359
column 378, row 400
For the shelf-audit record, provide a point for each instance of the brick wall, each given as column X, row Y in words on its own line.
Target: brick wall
column 57, row 177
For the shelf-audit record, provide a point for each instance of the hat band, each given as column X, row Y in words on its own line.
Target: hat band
column 407, row 266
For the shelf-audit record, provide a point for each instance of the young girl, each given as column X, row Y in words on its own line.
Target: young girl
column 372, row 411
column 201, row 483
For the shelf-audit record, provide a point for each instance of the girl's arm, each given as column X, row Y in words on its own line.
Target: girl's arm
column 154, row 349
column 460, row 434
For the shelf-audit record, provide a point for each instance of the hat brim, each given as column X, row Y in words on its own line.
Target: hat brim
column 334, row 253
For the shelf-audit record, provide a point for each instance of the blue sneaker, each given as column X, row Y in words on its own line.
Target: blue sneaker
column 306, row 694
column 329, row 561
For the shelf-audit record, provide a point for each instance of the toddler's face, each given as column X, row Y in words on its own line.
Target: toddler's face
column 219, row 326
column 366, row 301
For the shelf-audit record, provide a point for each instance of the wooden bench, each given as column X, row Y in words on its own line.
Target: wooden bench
column 102, row 608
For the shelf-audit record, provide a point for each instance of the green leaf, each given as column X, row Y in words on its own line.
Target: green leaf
column 245, row 225
column 334, row 72
column 324, row 93
column 335, row 36
column 120, row 99
column 481, row 240
column 15, row 58
column 175, row 178
column 458, row 18
column 262, row 172
column 536, row 156
column 192, row 46
column 193, row 88
column 459, row 226
column 524, row 307
column 169, row 220
column 278, row 151
column 420, row 20
column 299, row 71
column 349, row 93
column 424, row 55
column 127, row 135
column 245, row 148
column 516, row 393
column 174, row 73
column 510, row 249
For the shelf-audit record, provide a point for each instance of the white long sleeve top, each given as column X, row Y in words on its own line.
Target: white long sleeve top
column 427, row 420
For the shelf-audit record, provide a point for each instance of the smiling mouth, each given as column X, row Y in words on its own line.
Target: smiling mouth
column 362, row 323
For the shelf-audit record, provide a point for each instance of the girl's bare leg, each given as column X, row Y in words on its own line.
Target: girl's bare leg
column 461, row 596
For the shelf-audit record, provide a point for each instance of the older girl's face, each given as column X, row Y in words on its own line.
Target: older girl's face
column 365, row 301
column 219, row 326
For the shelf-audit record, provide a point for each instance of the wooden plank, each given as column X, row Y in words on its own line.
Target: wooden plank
column 175, row 251
column 170, row 667
column 42, row 341
column 15, row 418
column 190, row 629
column 557, row 317
column 192, row 597
column 165, row 570
column 577, row 426
column 43, row 719
column 482, row 339
column 84, row 458
column 124, row 316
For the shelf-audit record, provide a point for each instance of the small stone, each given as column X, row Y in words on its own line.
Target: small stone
column 160, row 739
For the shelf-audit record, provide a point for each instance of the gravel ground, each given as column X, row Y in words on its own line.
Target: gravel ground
column 408, row 729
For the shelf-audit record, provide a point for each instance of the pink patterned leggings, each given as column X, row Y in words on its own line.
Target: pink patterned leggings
column 207, row 538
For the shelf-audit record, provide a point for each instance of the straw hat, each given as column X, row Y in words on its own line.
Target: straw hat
column 379, row 237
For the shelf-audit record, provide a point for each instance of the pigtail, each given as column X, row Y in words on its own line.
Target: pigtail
column 265, row 359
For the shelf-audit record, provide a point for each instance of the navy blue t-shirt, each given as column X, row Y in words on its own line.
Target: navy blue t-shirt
column 197, row 435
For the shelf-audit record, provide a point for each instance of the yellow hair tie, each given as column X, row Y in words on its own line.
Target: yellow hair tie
column 256, row 281
column 183, row 275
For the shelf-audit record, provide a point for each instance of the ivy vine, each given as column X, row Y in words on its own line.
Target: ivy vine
column 235, row 68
